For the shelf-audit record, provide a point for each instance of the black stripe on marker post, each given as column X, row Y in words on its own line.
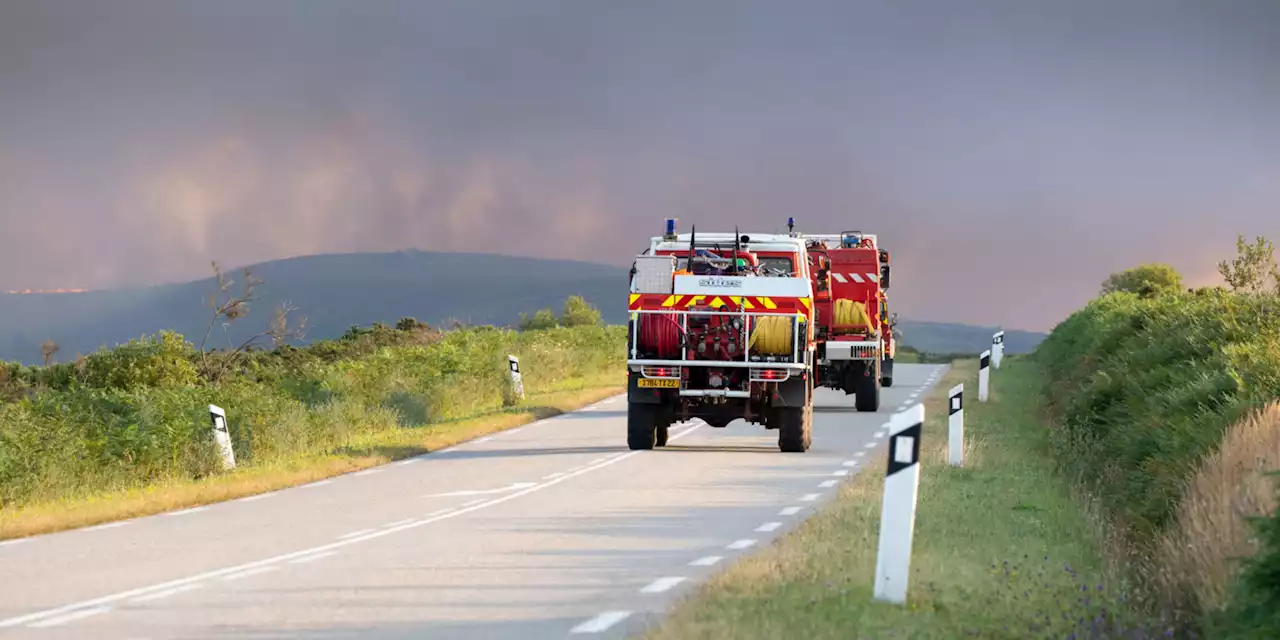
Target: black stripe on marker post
column 957, row 403
column 898, row 460
column 985, row 362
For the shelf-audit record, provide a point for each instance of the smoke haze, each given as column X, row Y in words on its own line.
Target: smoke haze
column 1024, row 148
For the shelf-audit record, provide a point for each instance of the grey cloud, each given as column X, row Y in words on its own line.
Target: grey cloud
column 1034, row 147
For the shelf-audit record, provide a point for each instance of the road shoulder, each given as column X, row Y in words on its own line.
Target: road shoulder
column 1002, row 548
column 380, row 448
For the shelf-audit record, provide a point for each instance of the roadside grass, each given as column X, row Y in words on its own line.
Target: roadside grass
column 1002, row 549
column 361, row 452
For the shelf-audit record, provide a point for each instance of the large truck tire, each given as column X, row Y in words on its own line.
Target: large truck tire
column 642, row 426
column 868, row 398
column 886, row 373
column 792, row 434
column 795, row 424
column 660, row 435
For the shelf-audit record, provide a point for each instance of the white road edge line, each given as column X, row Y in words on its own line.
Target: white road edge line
column 166, row 593
column 601, row 622
column 100, row 527
column 706, row 561
column 123, row 595
column 841, row 472
column 183, row 512
column 366, row 472
column 789, row 511
column 260, row 496
column 315, row 556
column 827, row 484
column 356, row 534
column 399, row 522
column 662, row 584
column 318, row 483
column 408, row 462
column 809, row 497
column 870, row 445
column 768, row 526
column 741, row 544
column 70, row 617
column 250, row 572
column 855, row 462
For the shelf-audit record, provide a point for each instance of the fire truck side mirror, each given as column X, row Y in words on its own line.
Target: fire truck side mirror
column 893, row 319
column 884, row 276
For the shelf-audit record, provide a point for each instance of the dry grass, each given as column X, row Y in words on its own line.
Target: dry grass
column 381, row 448
column 1198, row 556
column 1001, row 550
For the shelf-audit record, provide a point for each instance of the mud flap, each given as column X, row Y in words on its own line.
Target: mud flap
column 636, row 395
column 791, row 393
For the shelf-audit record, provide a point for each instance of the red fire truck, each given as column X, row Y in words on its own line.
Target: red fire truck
column 721, row 328
column 854, row 331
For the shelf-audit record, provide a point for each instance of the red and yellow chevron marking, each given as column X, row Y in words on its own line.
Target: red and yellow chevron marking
column 660, row 301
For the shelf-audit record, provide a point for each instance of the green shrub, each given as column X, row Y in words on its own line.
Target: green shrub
column 1145, row 387
column 139, row 413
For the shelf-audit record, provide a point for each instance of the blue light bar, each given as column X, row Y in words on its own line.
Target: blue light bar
column 671, row 226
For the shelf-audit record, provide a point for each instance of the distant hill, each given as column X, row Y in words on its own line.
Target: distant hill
column 335, row 291
column 946, row 337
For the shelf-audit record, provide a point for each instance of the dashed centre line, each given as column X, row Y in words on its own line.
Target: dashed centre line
column 706, row 561
column 768, row 526
column 810, row 497
column 741, row 544
column 789, row 511
column 827, row 484
column 662, row 584
column 602, row 622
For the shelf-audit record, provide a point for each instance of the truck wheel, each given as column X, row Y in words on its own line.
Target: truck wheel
column 868, row 398
column 793, row 436
column 886, row 372
column 660, row 435
column 642, row 428
column 886, row 381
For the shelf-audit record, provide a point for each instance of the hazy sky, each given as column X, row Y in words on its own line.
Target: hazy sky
column 1023, row 148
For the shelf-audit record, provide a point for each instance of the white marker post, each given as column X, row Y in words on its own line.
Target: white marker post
column 222, row 436
column 984, row 375
column 997, row 348
column 898, row 509
column 517, row 384
column 955, row 426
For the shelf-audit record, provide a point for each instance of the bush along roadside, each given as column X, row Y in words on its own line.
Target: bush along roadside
column 137, row 416
column 1160, row 406
column 1002, row 548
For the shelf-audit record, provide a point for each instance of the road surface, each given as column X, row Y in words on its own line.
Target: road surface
column 551, row 530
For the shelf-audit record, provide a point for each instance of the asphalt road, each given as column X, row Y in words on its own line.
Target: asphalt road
column 551, row 530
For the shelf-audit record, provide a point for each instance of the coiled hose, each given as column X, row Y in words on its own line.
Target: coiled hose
column 772, row 335
column 851, row 313
column 660, row 333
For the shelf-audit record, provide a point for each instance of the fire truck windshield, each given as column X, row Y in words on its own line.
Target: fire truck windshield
column 781, row 266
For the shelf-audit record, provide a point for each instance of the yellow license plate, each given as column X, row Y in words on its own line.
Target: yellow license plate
column 653, row 382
